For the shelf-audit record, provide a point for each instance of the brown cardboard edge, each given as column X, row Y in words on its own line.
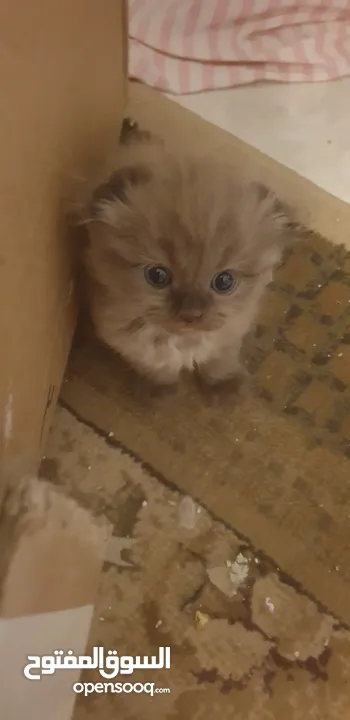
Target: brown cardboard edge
column 125, row 23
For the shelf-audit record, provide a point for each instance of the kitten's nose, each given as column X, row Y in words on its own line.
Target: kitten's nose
column 191, row 315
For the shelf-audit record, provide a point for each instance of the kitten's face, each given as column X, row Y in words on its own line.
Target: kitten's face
column 172, row 243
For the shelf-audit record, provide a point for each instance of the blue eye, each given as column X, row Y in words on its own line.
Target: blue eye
column 158, row 276
column 223, row 282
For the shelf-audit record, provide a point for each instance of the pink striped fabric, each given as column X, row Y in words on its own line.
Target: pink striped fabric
column 186, row 46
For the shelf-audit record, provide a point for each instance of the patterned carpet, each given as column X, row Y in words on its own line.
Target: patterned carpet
column 251, row 591
column 246, row 641
column 273, row 465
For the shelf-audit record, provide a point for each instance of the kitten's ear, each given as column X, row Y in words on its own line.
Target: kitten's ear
column 108, row 204
column 279, row 212
column 132, row 133
column 276, row 225
column 116, row 189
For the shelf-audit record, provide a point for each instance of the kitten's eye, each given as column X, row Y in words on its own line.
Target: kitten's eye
column 223, row 282
column 158, row 276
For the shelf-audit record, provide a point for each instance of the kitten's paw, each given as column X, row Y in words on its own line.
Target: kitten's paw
column 154, row 390
column 148, row 386
column 224, row 390
column 164, row 378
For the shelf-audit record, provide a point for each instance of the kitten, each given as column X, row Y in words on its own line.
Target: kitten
column 178, row 258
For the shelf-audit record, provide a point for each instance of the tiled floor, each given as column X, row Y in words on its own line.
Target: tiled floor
column 303, row 126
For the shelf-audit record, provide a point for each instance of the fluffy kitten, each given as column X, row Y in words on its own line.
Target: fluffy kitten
column 179, row 255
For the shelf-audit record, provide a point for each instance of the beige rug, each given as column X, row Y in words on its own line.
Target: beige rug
column 246, row 642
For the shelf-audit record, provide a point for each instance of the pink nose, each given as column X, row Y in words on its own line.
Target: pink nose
column 191, row 315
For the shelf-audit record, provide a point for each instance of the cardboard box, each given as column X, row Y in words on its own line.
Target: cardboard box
column 62, row 74
column 99, row 503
